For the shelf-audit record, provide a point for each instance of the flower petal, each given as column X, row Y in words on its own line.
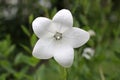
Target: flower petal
column 40, row 26
column 86, row 56
column 76, row 37
column 64, row 56
column 64, row 16
column 43, row 49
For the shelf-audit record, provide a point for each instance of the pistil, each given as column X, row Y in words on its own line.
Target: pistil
column 58, row 36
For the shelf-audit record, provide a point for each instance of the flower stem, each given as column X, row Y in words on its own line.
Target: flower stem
column 65, row 74
column 101, row 73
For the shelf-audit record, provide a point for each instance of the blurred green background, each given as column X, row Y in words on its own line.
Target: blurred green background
column 17, row 40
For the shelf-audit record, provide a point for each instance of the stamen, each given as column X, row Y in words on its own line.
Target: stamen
column 58, row 36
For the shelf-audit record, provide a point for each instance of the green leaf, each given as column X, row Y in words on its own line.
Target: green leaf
column 116, row 45
column 33, row 40
column 21, row 58
column 76, row 23
column 3, row 76
column 25, row 30
column 53, row 12
column 18, row 58
column 6, row 47
column 21, row 74
column 26, row 48
column 31, row 18
column 84, row 19
column 7, row 66
column 9, row 50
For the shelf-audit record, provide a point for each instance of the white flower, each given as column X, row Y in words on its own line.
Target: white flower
column 10, row 13
column 58, row 38
column 88, row 53
column 12, row 2
column 45, row 3
column 91, row 32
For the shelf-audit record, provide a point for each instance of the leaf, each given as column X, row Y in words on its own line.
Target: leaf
column 25, row 30
column 116, row 45
column 6, row 47
column 21, row 58
column 31, row 18
column 53, row 12
column 76, row 23
column 9, row 50
column 18, row 58
column 33, row 40
column 84, row 19
column 20, row 74
column 26, row 48
column 32, row 61
column 7, row 66
column 3, row 76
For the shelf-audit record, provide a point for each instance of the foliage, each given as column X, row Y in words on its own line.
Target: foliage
column 17, row 41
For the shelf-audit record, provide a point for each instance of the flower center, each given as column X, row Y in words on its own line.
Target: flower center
column 58, row 36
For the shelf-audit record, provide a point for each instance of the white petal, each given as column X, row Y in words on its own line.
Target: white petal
column 76, row 37
column 43, row 49
column 89, row 51
column 91, row 32
column 86, row 56
column 64, row 56
column 64, row 16
column 40, row 26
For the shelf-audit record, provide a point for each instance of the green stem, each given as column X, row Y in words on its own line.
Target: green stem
column 65, row 74
column 101, row 73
